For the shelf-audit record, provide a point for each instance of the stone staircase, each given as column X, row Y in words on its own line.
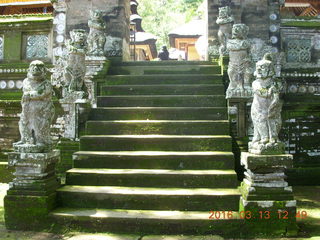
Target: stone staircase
column 157, row 154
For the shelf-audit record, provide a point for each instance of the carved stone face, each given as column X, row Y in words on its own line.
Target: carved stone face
column 78, row 36
column 240, row 31
column 264, row 69
column 224, row 12
column 37, row 69
column 96, row 15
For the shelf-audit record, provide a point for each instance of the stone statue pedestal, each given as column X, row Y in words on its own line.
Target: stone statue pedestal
column 32, row 194
column 73, row 108
column 95, row 65
column 267, row 201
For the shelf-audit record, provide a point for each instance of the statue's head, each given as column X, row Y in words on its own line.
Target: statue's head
column 37, row 70
column 240, row 31
column 265, row 68
column 96, row 14
column 78, row 36
column 224, row 12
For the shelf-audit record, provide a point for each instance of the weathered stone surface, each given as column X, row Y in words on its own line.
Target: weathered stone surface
column 72, row 107
column 266, row 197
column 37, row 111
column 117, row 15
column 96, row 38
column 225, row 21
column 94, row 65
column 239, row 63
column 31, row 195
column 266, row 110
column 34, row 171
column 75, row 69
column 266, row 163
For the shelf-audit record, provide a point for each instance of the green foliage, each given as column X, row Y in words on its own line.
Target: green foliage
column 162, row 16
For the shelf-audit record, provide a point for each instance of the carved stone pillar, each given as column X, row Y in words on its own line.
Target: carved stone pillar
column 73, row 107
column 32, row 194
column 94, row 66
column 267, row 201
column 59, row 22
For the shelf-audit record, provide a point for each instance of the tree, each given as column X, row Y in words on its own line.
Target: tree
column 162, row 16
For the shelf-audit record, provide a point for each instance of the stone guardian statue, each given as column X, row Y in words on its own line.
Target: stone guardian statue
column 239, row 69
column 37, row 111
column 75, row 69
column 96, row 38
column 266, row 110
column 225, row 21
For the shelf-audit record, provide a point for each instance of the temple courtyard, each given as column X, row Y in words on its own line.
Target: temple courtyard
column 308, row 199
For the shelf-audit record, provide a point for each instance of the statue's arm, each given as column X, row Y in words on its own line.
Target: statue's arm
column 260, row 91
column 43, row 92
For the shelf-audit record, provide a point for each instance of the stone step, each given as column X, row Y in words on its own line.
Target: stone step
column 170, row 69
column 154, row 160
column 163, row 89
column 156, row 143
column 162, row 79
column 147, row 221
column 155, row 178
column 165, row 63
column 159, row 113
column 162, row 101
column 182, row 199
column 6, row 172
column 191, row 127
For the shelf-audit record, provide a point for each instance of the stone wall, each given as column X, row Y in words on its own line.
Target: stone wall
column 254, row 13
column 117, row 15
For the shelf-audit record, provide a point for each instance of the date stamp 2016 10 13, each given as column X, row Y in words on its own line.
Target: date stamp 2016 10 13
column 261, row 215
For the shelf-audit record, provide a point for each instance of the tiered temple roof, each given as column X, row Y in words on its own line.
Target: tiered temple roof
column 302, row 8
column 11, row 7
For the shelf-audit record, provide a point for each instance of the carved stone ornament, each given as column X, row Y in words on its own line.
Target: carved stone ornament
column 96, row 38
column 239, row 69
column 113, row 46
column 75, row 69
column 37, row 111
column 266, row 110
column 225, row 21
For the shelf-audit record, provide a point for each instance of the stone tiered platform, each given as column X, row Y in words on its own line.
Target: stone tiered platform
column 156, row 157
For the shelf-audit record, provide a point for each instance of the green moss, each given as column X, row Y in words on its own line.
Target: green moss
column 10, row 95
column 304, row 24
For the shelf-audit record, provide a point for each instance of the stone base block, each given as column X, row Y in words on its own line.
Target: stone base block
column 33, row 187
column 250, row 192
column 239, row 93
column 269, row 217
column 266, row 163
column 267, row 149
column 28, row 212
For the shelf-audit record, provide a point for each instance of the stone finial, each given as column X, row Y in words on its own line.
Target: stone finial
column 75, row 69
column 225, row 21
column 37, row 111
column 96, row 38
column 239, row 69
column 266, row 110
